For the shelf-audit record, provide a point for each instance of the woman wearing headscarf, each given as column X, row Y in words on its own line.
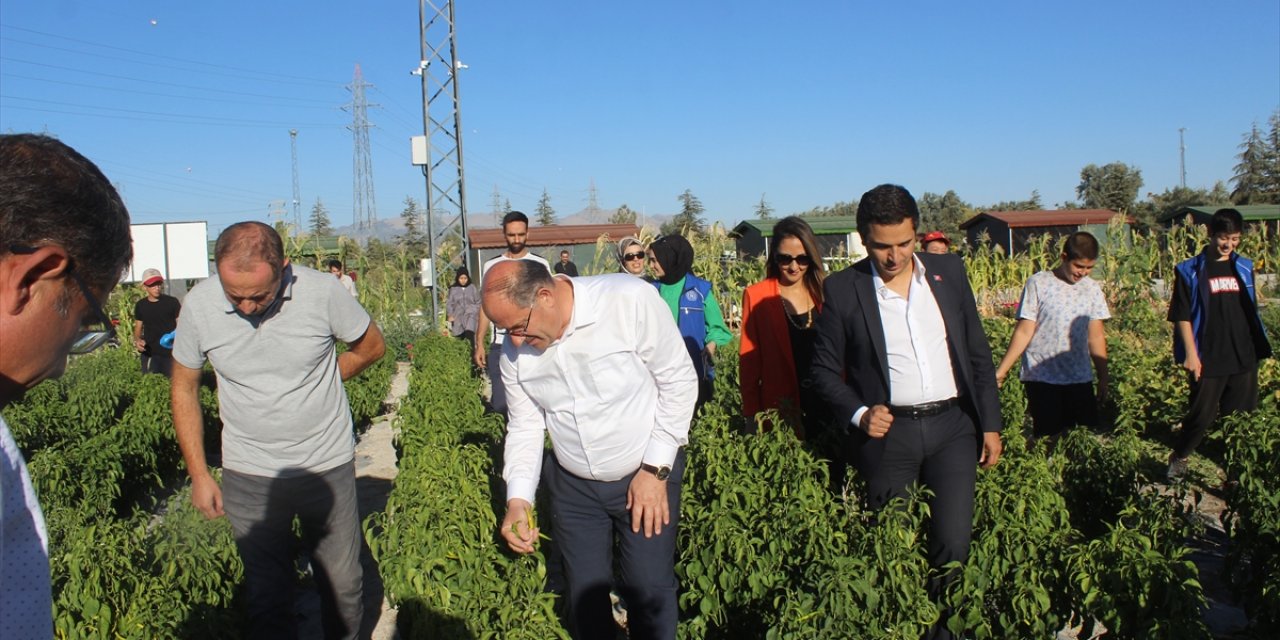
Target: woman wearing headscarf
column 693, row 304
column 462, row 308
column 779, row 314
column 631, row 256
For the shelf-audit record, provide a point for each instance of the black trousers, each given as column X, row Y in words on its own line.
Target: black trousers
column 940, row 452
column 1056, row 407
column 587, row 517
column 1211, row 396
column 157, row 364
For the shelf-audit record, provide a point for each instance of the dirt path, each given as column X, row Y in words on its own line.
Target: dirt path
column 375, row 471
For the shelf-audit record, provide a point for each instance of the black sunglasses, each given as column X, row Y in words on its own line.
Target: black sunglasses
column 628, row 257
column 88, row 339
column 784, row 259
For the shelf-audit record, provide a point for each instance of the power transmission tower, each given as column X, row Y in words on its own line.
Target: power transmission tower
column 438, row 67
column 593, row 204
column 297, row 194
column 365, row 210
column 496, row 204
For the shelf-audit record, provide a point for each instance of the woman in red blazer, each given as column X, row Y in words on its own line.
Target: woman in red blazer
column 778, row 321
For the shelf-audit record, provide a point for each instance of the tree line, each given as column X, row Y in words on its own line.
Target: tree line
column 1115, row 186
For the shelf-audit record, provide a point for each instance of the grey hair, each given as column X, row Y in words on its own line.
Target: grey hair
column 522, row 286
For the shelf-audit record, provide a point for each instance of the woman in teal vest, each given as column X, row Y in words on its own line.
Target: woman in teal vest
column 693, row 305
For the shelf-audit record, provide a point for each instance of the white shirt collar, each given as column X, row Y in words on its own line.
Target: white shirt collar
column 917, row 277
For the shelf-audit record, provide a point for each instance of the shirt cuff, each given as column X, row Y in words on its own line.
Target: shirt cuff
column 660, row 454
column 523, row 489
column 856, row 421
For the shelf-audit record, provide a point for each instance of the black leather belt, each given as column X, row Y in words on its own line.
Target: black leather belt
column 923, row 410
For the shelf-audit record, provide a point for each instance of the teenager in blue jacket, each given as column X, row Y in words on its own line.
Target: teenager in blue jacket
column 1218, row 336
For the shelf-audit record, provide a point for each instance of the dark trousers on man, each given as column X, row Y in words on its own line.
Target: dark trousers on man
column 587, row 517
column 261, row 511
column 941, row 453
column 1212, row 396
column 156, row 363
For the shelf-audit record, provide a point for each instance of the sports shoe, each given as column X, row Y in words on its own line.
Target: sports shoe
column 1177, row 468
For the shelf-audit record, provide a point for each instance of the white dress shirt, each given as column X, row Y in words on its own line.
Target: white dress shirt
column 615, row 390
column 915, row 340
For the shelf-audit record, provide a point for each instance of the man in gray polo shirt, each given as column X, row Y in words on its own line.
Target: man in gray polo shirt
column 269, row 328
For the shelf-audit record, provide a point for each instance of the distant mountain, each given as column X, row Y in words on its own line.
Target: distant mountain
column 387, row 229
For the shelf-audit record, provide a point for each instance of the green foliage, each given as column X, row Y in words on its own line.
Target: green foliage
column 367, row 391
column 319, row 223
column 1257, row 175
column 1253, row 518
column 436, row 542
column 690, row 219
column 1032, row 203
column 763, row 210
column 1135, row 578
column 414, row 238
column 849, row 209
column 101, row 446
column 545, row 214
column 623, row 215
column 138, row 578
column 943, row 213
column 1112, row 186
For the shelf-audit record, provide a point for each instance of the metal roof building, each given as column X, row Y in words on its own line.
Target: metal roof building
column 1267, row 215
column 837, row 236
column 1011, row 230
column 578, row 239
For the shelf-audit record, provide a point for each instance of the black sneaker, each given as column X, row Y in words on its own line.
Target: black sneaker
column 1177, row 468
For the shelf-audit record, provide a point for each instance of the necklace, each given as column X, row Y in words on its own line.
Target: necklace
column 808, row 316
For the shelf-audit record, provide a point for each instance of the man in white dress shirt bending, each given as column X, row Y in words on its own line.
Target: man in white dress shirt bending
column 599, row 364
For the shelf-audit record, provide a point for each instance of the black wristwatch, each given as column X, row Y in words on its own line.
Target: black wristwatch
column 661, row 473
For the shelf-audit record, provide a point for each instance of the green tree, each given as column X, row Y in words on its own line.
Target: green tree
column 1031, row 204
column 943, row 212
column 414, row 240
column 1112, row 186
column 1271, row 160
column 623, row 215
column 545, row 214
column 1158, row 205
column 319, row 221
column 689, row 218
column 1250, row 179
column 838, row 209
column 763, row 210
column 1257, row 175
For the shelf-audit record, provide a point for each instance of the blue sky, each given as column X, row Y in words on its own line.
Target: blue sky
column 806, row 102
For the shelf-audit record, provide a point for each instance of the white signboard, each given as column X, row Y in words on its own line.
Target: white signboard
column 180, row 250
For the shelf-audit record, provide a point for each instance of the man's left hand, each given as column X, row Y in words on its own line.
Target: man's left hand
column 992, row 447
column 647, row 500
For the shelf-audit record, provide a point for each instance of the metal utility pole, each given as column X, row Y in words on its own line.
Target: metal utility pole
column 297, row 194
column 438, row 68
column 1182, row 156
column 439, row 150
column 365, row 209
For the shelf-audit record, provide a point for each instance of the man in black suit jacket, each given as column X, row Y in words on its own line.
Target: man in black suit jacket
column 901, row 356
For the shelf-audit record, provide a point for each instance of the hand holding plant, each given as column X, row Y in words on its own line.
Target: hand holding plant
column 518, row 527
